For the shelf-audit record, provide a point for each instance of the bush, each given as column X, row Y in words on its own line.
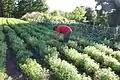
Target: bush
column 105, row 74
column 34, row 71
column 99, row 56
column 116, row 54
column 81, row 60
column 65, row 71
column 4, row 76
column 104, row 48
column 46, row 18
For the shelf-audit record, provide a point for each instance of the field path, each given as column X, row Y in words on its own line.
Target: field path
column 11, row 63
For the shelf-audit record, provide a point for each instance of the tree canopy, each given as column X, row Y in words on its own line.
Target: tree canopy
column 113, row 8
column 17, row 8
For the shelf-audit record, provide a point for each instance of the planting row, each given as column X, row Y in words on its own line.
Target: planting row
column 64, row 71
column 100, row 57
column 108, row 51
column 88, row 65
column 30, row 67
column 3, row 49
column 36, row 37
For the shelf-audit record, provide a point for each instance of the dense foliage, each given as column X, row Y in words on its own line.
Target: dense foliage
column 3, row 49
column 46, row 18
column 112, row 7
column 40, row 56
column 17, row 8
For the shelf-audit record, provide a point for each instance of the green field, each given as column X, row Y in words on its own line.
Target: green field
column 31, row 52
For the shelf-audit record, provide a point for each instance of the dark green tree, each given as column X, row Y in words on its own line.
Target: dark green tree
column 24, row 6
column 6, row 8
column 1, row 8
column 113, row 8
column 102, row 18
column 17, row 8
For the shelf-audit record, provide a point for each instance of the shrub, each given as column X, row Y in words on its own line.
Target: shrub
column 105, row 74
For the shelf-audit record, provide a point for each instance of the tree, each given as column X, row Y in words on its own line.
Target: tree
column 24, row 6
column 79, row 13
column 91, row 15
column 113, row 8
column 102, row 18
column 17, row 8
column 8, row 7
column 1, row 8
column 68, row 15
column 55, row 13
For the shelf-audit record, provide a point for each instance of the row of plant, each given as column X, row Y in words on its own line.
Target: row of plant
column 49, row 35
column 76, row 42
column 15, row 21
column 87, row 64
column 87, row 44
column 44, row 39
column 28, row 66
column 101, row 33
column 108, row 51
column 2, row 21
column 41, row 29
column 34, row 70
column 36, row 28
column 3, row 48
column 63, row 68
column 80, row 60
column 43, row 36
column 80, row 43
column 100, row 57
column 114, row 75
column 50, row 43
column 65, row 71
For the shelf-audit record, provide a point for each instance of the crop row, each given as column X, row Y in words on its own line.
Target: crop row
column 108, row 51
column 88, row 65
column 30, row 67
column 64, row 71
column 100, row 57
column 3, row 49
column 36, row 36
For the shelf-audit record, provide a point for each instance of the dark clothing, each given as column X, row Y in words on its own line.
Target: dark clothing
column 66, row 37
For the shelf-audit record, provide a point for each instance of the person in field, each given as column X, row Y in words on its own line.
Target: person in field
column 65, row 30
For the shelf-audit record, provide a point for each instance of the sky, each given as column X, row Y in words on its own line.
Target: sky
column 69, row 5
